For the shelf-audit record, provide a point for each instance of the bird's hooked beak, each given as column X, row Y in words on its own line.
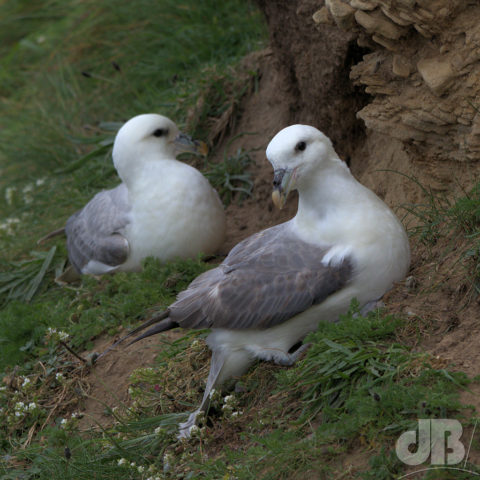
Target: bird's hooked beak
column 184, row 143
column 283, row 182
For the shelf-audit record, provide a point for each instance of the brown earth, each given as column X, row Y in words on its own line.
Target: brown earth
column 109, row 379
column 316, row 73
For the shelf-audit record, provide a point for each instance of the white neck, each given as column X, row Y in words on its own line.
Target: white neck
column 328, row 188
column 326, row 192
column 135, row 176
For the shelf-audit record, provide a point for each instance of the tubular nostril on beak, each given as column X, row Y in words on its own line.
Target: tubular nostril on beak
column 278, row 177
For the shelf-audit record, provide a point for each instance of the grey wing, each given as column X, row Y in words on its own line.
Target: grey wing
column 255, row 244
column 94, row 233
column 263, row 289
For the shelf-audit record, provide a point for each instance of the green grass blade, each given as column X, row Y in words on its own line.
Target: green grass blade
column 35, row 284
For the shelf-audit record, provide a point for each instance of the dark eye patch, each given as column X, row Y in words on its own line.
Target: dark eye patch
column 300, row 146
column 160, row 132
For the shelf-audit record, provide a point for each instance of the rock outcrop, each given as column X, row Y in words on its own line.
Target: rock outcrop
column 423, row 70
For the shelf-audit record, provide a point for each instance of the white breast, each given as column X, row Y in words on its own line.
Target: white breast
column 175, row 213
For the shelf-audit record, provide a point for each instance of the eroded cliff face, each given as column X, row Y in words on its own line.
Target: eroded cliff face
column 394, row 83
column 423, row 71
column 315, row 66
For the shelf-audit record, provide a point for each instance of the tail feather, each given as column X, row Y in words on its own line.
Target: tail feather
column 164, row 323
column 162, row 326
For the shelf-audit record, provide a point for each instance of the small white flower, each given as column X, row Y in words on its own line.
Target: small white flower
column 27, row 197
column 25, row 382
column 121, row 462
column 32, row 406
column 194, row 429
column 230, row 403
column 59, row 377
column 133, row 464
column 63, row 335
column 197, row 346
column 8, row 226
column 40, row 181
column 140, row 469
column 215, row 397
column 9, row 194
column 57, row 335
column 64, row 422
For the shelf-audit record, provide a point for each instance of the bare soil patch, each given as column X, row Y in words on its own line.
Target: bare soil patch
column 108, row 379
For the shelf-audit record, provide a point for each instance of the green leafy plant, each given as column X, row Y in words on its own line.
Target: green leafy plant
column 24, row 280
column 230, row 177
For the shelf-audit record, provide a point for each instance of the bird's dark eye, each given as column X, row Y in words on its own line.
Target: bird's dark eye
column 300, row 146
column 160, row 132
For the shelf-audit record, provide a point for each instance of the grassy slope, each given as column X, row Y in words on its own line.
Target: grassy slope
column 68, row 72
column 52, row 116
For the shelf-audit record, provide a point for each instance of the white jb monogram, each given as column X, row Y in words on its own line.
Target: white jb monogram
column 438, row 438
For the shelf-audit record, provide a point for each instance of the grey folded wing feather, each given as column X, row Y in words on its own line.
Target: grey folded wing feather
column 94, row 233
column 265, row 280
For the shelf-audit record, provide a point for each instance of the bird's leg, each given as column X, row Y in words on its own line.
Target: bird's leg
column 285, row 359
column 217, row 362
column 288, row 359
column 369, row 306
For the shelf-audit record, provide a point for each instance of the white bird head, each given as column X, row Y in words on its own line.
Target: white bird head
column 297, row 153
column 149, row 138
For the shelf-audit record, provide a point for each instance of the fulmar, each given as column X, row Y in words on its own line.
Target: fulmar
column 275, row 286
